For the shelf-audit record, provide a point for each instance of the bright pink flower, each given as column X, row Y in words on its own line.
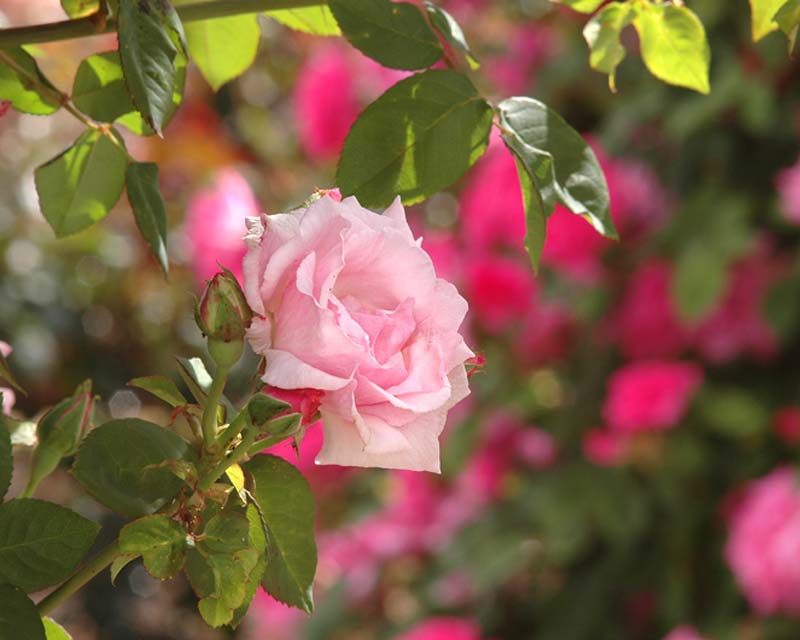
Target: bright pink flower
column 492, row 213
column 536, row 447
column 683, row 632
column 443, row 629
column 8, row 394
column 787, row 182
column 737, row 327
column 325, row 102
column 441, row 246
column 573, row 246
column 764, row 543
column 546, row 333
column 283, row 622
column 650, row 395
column 348, row 303
column 787, row 424
column 645, row 322
column 215, row 224
column 604, row 447
column 529, row 46
column 303, row 401
column 499, row 290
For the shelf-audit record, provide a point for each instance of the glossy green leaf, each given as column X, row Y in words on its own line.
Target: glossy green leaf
column 416, row 139
column 788, row 19
column 258, row 542
column 262, row 408
column 54, row 631
column 215, row 612
column 318, row 21
column 118, row 465
column 583, row 6
column 6, row 458
column 148, row 30
column 223, row 48
column 160, row 541
column 81, row 185
column 535, row 214
column 763, row 17
column 196, row 376
column 395, row 34
column 41, row 542
column 19, row 618
column 60, row 431
column 699, row 281
column 559, row 162
column 119, row 563
column 141, row 180
column 162, row 388
column 451, row 31
column 79, row 9
column 284, row 498
column 24, row 85
column 225, row 534
column 674, row 46
column 602, row 34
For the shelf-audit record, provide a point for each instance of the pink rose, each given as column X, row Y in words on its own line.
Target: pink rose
column 214, row 222
column 499, row 290
column 8, row 394
column 650, row 395
column 349, row 304
column 787, row 183
column 573, row 247
column 605, row 448
column 444, row 629
column 684, row 632
column 764, row 543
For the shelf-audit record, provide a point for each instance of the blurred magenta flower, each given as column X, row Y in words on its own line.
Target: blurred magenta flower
column 786, row 422
column 499, row 290
column 349, row 304
column 604, row 447
column 8, row 394
column 443, row 629
column 528, row 47
column 645, row 322
column 573, row 246
column 684, row 632
column 214, row 224
column 325, row 102
column 764, row 543
column 546, row 333
column 787, row 182
column 650, row 395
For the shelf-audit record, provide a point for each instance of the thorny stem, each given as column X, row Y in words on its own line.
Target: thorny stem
column 241, row 450
column 97, row 23
column 210, row 411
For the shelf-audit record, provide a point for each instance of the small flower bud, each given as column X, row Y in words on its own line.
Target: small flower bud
column 223, row 316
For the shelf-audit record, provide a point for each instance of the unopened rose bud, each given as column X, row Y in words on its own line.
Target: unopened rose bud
column 223, row 316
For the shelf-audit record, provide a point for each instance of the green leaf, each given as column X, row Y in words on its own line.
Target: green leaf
column 6, row 458
column 558, row 160
column 119, row 563
column 284, row 498
column 262, row 408
column 258, row 542
column 99, row 91
column 160, row 541
column 763, row 12
column 225, row 534
column 733, row 412
column 19, row 618
column 215, row 612
column 5, row 374
column 60, row 431
column 223, row 48
column 81, row 185
column 535, row 214
column 395, row 34
column 416, row 139
column 602, row 34
column 79, row 9
column 788, row 19
column 451, row 31
column 41, row 542
column 699, row 281
column 24, row 85
column 196, row 376
column 674, row 45
column 162, row 388
column 318, row 21
column 583, row 6
column 54, row 631
column 117, row 464
column 147, row 31
column 141, row 180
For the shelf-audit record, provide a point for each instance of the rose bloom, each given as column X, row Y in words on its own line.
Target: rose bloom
column 764, row 543
column 443, row 629
column 787, row 183
column 650, row 395
column 349, row 304
column 8, row 394
column 684, row 632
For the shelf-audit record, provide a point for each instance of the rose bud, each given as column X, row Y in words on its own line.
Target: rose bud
column 223, row 316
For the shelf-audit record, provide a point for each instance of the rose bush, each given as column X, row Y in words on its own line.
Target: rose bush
column 349, row 304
